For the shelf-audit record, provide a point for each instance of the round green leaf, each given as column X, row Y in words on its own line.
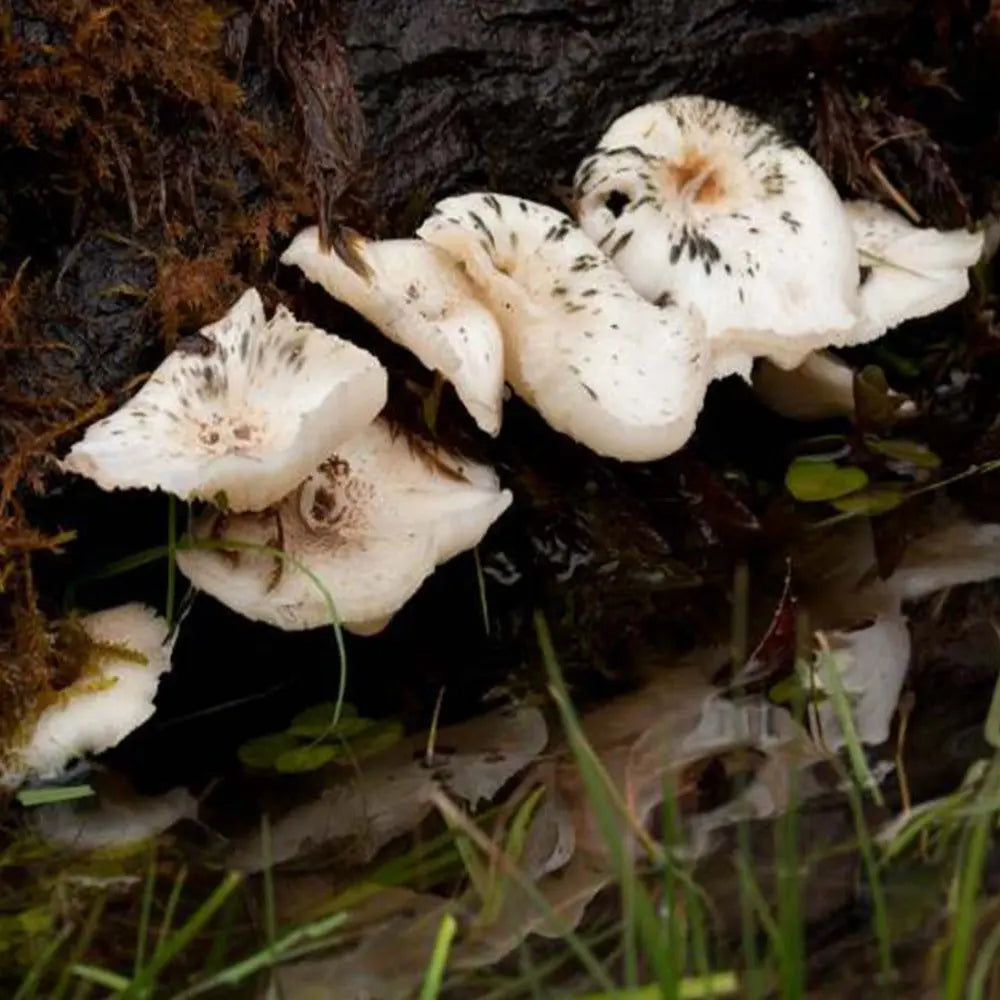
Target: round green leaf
column 305, row 758
column 315, row 721
column 263, row 751
column 377, row 737
column 877, row 500
column 812, row 482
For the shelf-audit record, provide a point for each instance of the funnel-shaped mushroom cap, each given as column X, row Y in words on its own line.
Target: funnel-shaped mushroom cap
column 419, row 298
column 907, row 272
column 246, row 408
column 370, row 524
column 621, row 376
column 701, row 203
column 113, row 696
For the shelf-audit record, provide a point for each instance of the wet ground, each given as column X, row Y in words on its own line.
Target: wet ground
column 633, row 568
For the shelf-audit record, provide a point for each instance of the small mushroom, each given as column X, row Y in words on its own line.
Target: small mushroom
column 127, row 651
column 907, row 271
column 371, row 524
column 701, row 203
column 419, row 298
column 244, row 410
column 621, row 376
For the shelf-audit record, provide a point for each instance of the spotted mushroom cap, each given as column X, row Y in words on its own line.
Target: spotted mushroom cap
column 112, row 697
column 907, row 271
column 419, row 298
column 701, row 203
column 371, row 523
column 621, row 376
column 246, row 408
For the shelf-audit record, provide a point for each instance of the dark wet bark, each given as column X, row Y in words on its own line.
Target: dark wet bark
column 511, row 93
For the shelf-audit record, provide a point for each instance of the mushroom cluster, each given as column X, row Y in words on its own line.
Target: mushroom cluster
column 702, row 241
column 704, row 244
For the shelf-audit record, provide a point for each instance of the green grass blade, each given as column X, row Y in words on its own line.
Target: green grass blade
column 986, row 964
column 101, row 977
column 28, row 989
column 315, row 934
column 30, row 797
column 971, row 865
column 80, row 947
column 145, row 910
column 433, row 977
column 481, row 584
column 181, row 938
column 166, row 924
column 716, row 984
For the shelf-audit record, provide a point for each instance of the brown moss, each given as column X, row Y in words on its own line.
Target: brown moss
column 158, row 128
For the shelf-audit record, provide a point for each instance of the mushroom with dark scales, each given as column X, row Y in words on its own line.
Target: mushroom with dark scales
column 244, row 412
column 371, row 524
column 420, row 298
column 621, row 376
column 701, row 203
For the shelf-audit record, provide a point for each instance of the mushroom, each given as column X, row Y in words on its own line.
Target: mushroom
column 126, row 652
column 701, row 203
column 370, row 525
column 621, row 376
column 419, row 298
column 821, row 387
column 242, row 412
column 907, row 271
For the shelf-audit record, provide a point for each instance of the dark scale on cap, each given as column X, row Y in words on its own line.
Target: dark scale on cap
column 864, row 276
column 588, row 293
column 523, row 206
column 773, row 182
column 789, row 220
column 477, row 221
column 663, row 300
column 573, row 307
column 244, row 345
column 620, row 243
column 196, row 343
column 559, row 289
column 590, row 392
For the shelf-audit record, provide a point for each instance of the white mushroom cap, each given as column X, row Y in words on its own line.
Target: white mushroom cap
column 701, row 203
column 372, row 523
column 822, row 386
column 907, row 271
column 419, row 298
column 113, row 697
column 623, row 377
column 248, row 408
